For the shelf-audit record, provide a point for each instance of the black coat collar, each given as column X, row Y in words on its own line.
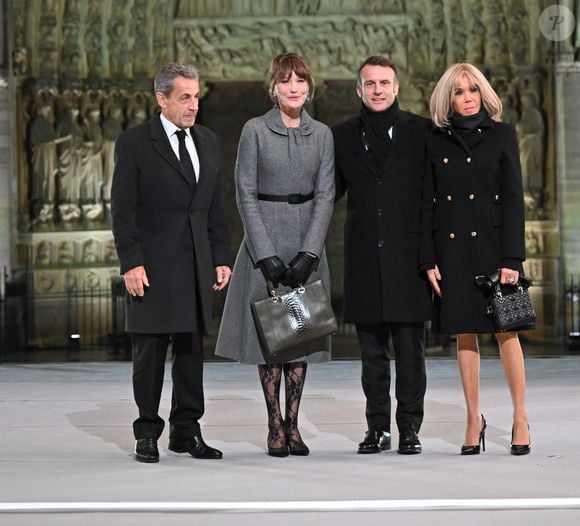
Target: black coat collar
column 162, row 145
column 485, row 126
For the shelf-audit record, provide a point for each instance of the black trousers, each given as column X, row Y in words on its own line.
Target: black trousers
column 187, row 401
column 411, row 382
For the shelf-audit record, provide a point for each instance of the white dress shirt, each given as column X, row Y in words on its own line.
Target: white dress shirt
column 170, row 130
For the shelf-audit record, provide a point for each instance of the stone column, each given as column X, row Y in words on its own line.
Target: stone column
column 568, row 162
column 568, row 178
column 5, row 152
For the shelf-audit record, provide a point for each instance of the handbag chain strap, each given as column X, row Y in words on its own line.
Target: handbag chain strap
column 272, row 291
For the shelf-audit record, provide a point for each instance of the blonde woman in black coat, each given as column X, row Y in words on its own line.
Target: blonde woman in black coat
column 473, row 224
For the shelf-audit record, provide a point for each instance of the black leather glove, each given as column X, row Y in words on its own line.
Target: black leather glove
column 299, row 269
column 273, row 268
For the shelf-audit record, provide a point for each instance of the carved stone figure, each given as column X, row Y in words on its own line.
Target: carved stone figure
column 47, row 50
column 140, row 51
column 519, row 38
column 138, row 116
column 459, row 34
column 90, row 251
column 42, row 141
column 109, row 251
column 71, row 51
column 531, row 131
column 92, row 170
column 438, row 37
column 70, row 131
column 496, row 53
column 42, row 257
column 65, row 253
column 419, row 46
column 93, row 39
column 112, row 127
column 118, row 52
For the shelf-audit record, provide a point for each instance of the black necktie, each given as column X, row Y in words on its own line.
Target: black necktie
column 185, row 159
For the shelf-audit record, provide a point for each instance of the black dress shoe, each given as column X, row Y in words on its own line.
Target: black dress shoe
column 409, row 443
column 375, row 442
column 196, row 447
column 146, row 450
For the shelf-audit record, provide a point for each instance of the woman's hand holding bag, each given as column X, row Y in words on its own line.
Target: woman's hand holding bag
column 273, row 269
column 299, row 269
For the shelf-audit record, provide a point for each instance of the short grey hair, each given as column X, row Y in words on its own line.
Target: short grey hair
column 167, row 74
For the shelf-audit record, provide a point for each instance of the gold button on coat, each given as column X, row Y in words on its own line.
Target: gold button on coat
column 474, row 234
column 445, row 160
column 471, row 197
column 449, row 198
column 497, row 197
column 452, row 235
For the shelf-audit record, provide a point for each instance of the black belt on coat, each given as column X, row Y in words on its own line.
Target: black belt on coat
column 293, row 199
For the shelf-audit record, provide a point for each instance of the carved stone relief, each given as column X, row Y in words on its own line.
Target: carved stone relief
column 84, row 71
column 241, row 48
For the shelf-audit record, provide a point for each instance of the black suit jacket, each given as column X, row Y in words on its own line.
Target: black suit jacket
column 381, row 232
column 177, row 233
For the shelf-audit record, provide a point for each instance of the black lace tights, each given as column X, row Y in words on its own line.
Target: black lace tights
column 270, row 377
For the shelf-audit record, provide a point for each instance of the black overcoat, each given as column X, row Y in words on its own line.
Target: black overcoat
column 177, row 232
column 381, row 232
column 473, row 220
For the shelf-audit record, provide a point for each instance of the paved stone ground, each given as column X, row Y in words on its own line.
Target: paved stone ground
column 66, row 436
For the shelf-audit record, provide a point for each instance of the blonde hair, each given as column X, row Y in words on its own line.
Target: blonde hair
column 282, row 67
column 442, row 96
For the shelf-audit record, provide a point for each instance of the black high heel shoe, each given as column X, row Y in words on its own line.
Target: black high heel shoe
column 480, row 446
column 282, row 451
column 296, row 447
column 517, row 449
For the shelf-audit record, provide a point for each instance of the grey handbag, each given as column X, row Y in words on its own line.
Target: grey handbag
column 510, row 306
column 294, row 318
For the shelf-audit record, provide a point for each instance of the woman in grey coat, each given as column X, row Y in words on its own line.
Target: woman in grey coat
column 284, row 179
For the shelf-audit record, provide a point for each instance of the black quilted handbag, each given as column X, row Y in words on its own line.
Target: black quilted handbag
column 510, row 306
column 292, row 319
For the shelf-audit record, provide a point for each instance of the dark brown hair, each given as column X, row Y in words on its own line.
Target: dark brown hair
column 282, row 67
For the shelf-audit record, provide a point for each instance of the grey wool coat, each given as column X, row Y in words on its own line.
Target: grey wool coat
column 273, row 159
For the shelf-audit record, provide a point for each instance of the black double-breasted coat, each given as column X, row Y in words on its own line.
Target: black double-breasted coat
column 176, row 230
column 472, row 220
column 382, row 281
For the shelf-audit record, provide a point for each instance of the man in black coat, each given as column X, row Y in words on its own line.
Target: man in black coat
column 171, row 236
column 380, row 163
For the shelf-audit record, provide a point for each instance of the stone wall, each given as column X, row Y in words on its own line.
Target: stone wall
column 82, row 72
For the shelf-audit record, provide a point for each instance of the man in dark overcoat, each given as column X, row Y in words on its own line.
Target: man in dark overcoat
column 171, row 236
column 380, row 163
